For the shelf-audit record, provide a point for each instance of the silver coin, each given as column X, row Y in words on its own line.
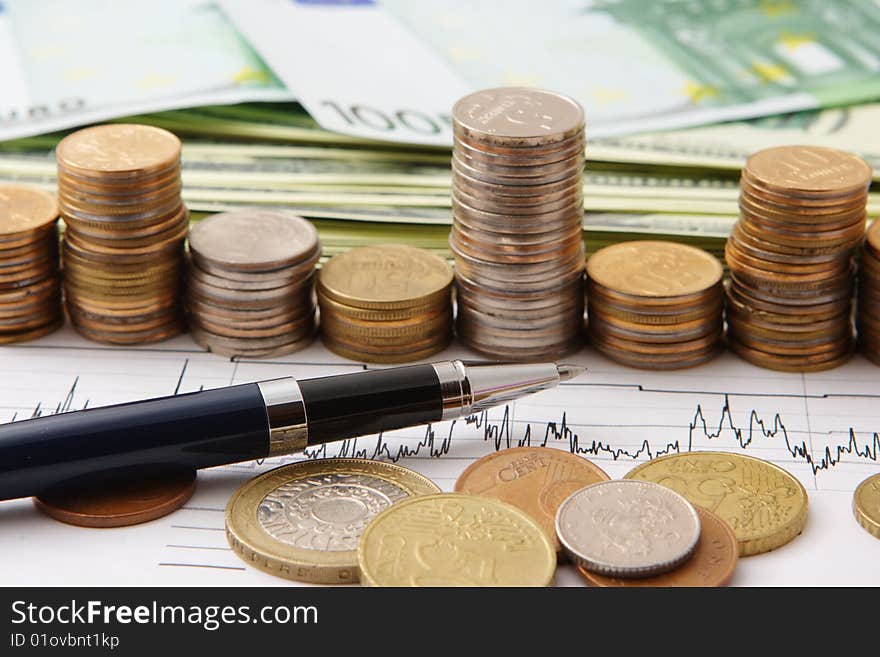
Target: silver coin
column 619, row 529
column 254, row 239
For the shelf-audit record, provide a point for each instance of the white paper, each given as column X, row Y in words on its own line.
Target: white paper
column 609, row 411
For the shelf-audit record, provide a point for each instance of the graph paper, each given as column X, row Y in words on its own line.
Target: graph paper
column 822, row 427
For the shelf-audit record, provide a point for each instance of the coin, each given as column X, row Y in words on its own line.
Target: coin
column 30, row 305
column 119, row 195
column 802, row 212
column 385, row 276
column 250, row 282
column 627, row 528
column 119, row 503
column 455, row 540
column 765, row 505
column 517, row 199
column 654, row 304
column 385, row 304
column 866, row 505
column 712, row 563
column 868, row 306
column 303, row 521
column 118, row 150
column 534, row 479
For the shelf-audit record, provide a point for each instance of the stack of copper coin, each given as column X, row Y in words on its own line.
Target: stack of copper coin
column 655, row 305
column 386, row 304
column 802, row 214
column 30, row 291
column 517, row 198
column 119, row 194
column 250, row 287
column 868, row 317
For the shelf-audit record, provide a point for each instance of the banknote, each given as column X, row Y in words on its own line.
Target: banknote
column 68, row 63
column 391, row 69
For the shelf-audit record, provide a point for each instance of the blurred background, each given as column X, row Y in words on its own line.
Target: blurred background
column 340, row 110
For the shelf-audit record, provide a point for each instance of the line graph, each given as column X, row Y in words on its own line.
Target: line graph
column 502, row 432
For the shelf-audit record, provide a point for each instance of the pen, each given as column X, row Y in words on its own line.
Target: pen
column 252, row 420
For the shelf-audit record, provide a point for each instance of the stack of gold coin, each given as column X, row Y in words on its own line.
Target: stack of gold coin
column 655, row 305
column 517, row 198
column 802, row 214
column 386, row 304
column 30, row 293
column 868, row 318
column 119, row 194
column 250, row 285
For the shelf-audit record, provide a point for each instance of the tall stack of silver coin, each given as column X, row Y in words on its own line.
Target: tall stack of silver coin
column 517, row 198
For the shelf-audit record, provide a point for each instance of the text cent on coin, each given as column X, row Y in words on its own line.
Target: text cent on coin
column 534, row 479
column 627, row 528
column 303, row 521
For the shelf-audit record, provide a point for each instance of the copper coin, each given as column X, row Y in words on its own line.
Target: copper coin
column 809, row 170
column 535, row 479
column 712, row 563
column 819, row 363
column 657, row 361
column 25, row 211
column 119, row 504
column 118, row 150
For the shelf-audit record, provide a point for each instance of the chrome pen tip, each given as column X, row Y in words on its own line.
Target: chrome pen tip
column 567, row 372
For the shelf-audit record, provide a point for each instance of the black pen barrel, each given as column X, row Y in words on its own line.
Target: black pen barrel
column 362, row 403
column 193, row 430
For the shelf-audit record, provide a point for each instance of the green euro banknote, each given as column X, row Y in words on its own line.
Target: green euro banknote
column 69, row 63
column 392, row 69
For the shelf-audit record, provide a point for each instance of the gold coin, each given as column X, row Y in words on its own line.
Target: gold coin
column 866, row 505
column 810, row 170
column 534, row 479
column 25, row 210
column 654, row 269
column 455, row 540
column 303, row 521
column 764, row 505
column 118, row 150
column 385, row 276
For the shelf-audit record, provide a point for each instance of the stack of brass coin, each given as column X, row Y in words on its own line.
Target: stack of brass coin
column 386, row 304
column 802, row 213
column 868, row 318
column 119, row 194
column 517, row 198
column 655, row 305
column 30, row 292
column 250, row 286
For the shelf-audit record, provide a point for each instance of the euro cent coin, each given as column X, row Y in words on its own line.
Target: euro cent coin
column 534, row 479
column 765, row 505
column 866, row 505
column 303, row 521
column 627, row 528
column 119, row 504
column 455, row 539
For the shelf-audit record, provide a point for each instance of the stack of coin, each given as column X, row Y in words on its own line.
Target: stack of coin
column 30, row 295
column 119, row 194
column 655, row 305
column 250, row 286
column 802, row 213
column 386, row 304
column 868, row 318
column 517, row 198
